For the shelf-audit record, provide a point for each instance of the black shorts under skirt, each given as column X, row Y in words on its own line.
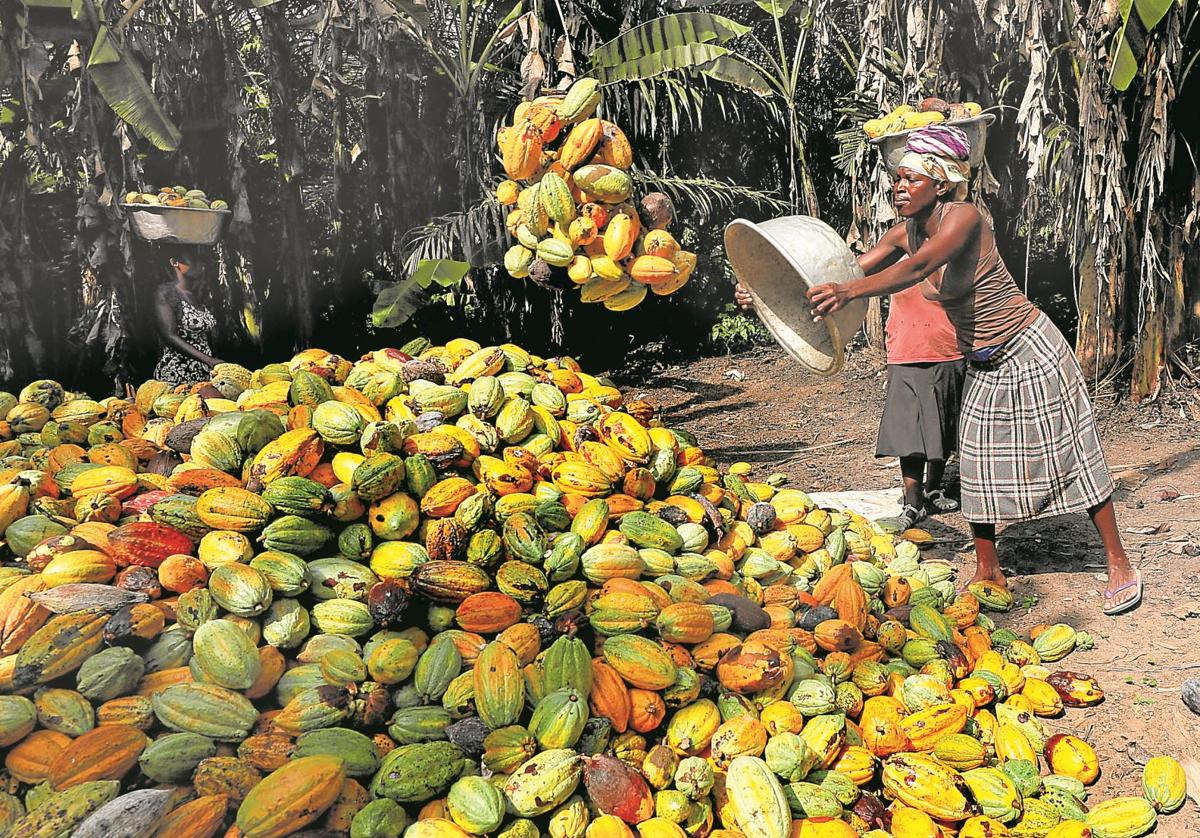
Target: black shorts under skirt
column 920, row 414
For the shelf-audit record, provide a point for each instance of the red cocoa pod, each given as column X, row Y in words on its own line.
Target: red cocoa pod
column 617, row 789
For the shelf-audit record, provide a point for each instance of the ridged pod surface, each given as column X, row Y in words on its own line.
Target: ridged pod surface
column 291, row 797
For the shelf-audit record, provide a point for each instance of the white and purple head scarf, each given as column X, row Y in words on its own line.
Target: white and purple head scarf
column 939, row 152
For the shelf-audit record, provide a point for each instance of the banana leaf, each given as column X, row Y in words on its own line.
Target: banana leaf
column 775, row 8
column 1126, row 62
column 684, row 41
column 442, row 272
column 1152, row 11
column 733, row 70
column 121, row 83
column 396, row 303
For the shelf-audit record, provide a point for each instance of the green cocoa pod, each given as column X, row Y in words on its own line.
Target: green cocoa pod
column 383, row 818
column 226, row 654
column 356, row 749
column 286, row 573
column 342, row 616
column 440, row 664
column 206, row 709
column 808, row 800
column 476, row 805
column 568, row 663
column 61, row 812
column 413, row 725
column 172, row 649
column 110, row 673
column 18, row 715
column 286, row 624
column 11, row 811
column 313, row 709
column 296, row 681
column 559, row 718
column 173, row 758
column 416, row 773
column 64, row 711
column 506, row 749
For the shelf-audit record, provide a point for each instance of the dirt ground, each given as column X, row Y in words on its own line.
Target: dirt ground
column 761, row 407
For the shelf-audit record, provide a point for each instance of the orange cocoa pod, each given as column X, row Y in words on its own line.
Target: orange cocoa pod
column 646, row 710
column 524, row 640
column 272, row 665
column 103, row 753
column 29, row 760
column 133, row 710
column 199, row 818
column 610, row 697
column 154, row 683
column 181, row 573
column 20, row 616
column 488, row 612
column 266, row 751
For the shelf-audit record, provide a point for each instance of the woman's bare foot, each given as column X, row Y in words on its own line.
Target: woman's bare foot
column 987, row 563
column 1122, row 588
column 984, row 575
column 995, row 576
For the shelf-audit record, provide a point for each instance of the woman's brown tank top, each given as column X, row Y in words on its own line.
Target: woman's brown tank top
column 986, row 308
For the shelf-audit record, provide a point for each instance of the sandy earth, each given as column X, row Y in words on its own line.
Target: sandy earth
column 762, row 408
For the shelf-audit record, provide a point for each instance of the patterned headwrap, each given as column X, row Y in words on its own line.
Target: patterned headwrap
column 939, row 152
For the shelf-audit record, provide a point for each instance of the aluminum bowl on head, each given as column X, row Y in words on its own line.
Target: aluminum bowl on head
column 176, row 225
column 891, row 146
column 778, row 261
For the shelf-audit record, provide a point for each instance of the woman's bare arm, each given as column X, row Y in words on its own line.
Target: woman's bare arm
column 957, row 230
column 888, row 251
column 166, row 329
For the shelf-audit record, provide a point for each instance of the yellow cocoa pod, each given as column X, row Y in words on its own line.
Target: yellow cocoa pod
column 580, row 270
column 507, row 191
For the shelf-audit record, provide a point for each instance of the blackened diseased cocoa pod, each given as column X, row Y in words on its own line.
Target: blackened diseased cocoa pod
column 468, row 734
column 424, row 370
column 141, row 580
column 387, row 601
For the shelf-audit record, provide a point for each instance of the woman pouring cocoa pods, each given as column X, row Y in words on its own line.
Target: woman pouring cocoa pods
column 1028, row 444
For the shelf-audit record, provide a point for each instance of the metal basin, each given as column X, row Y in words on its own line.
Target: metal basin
column 891, row 146
column 176, row 225
column 778, row 261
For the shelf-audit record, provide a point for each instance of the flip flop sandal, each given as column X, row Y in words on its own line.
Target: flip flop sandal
column 1128, row 605
column 941, row 503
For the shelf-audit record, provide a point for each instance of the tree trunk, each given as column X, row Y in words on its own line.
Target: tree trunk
column 296, row 266
column 874, row 324
column 1097, row 343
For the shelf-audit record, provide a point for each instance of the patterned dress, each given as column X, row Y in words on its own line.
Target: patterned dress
column 194, row 324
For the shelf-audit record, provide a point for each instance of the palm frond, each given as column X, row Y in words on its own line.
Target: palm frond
column 853, row 109
column 708, row 194
column 476, row 235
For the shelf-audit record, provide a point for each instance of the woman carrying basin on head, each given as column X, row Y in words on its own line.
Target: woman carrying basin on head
column 1028, row 444
column 185, row 324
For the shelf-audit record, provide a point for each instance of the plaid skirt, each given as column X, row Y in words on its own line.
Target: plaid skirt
column 1028, row 444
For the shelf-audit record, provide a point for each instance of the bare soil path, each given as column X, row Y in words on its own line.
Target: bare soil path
column 761, row 407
